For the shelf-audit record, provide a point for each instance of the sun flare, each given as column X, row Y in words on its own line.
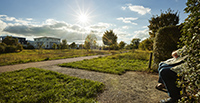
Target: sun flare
column 83, row 18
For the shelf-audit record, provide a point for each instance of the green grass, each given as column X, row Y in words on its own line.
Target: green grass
column 43, row 55
column 116, row 64
column 35, row 85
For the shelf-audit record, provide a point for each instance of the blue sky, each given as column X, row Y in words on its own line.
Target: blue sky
column 73, row 20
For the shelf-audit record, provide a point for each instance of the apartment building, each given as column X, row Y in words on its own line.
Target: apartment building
column 46, row 42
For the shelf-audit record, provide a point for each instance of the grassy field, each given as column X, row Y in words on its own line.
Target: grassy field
column 35, row 85
column 42, row 55
column 116, row 64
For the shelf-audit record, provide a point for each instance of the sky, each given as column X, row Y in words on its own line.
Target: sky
column 73, row 20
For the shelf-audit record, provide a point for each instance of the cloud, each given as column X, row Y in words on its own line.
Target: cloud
column 142, row 34
column 2, row 25
column 50, row 27
column 137, row 8
column 128, row 20
column 101, row 25
column 125, row 27
column 16, row 21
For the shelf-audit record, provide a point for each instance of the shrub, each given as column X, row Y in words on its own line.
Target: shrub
column 10, row 48
column 191, row 39
column 19, row 47
column 165, row 43
column 10, row 44
column 146, row 44
column 2, row 47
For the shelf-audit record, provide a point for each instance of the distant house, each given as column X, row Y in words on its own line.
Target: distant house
column 46, row 42
column 21, row 40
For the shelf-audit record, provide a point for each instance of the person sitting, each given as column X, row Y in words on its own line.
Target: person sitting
column 168, row 75
column 162, row 64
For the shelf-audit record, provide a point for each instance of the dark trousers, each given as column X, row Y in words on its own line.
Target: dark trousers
column 169, row 78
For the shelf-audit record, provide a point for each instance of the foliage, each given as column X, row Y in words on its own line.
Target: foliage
column 122, row 45
column 109, row 38
column 29, row 46
column 38, row 55
column 128, row 47
column 165, row 43
column 54, row 45
column 191, row 39
column 73, row 45
column 9, row 40
column 10, row 44
column 114, row 47
column 166, row 18
column 135, row 43
column 146, row 44
column 35, row 85
column 116, row 64
column 90, row 41
column 63, row 44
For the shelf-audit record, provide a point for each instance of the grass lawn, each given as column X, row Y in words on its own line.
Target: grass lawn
column 35, row 85
column 116, row 64
column 42, row 55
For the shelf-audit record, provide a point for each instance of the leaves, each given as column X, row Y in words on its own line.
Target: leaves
column 191, row 39
column 109, row 38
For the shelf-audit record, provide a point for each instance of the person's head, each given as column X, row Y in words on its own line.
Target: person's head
column 174, row 54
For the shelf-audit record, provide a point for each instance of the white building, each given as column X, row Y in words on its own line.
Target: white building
column 46, row 42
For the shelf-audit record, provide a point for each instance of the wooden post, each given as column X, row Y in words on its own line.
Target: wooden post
column 150, row 59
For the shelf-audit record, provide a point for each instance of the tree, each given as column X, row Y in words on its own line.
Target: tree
column 90, row 41
column 9, row 40
column 64, row 45
column 146, row 44
column 165, row 19
column 54, row 45
column 191, row 39
column 10, row 44
column 135, row 43
column 73, row 45
column 122, row 45
column 109, row 38
column 128, row 47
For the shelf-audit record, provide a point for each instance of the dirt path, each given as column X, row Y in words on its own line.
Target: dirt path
column 131, row 87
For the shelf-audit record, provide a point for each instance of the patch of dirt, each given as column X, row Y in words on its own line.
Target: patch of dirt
column 131, row 87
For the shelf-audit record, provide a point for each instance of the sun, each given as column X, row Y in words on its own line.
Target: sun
column 83, row 18
column 83, row 14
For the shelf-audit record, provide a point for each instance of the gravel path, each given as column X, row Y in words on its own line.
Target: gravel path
column 131, row 87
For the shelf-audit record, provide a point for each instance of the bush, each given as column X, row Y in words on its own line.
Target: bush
column 2, row 47
column 165, row 43
column 191, row 39
column 114, row 47
column 19, row 47
column 146, row 44
column 10, row 44
column 10, row 48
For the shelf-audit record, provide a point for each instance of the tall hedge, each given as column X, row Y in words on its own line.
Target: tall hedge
column 191, row 39
column 165, row 43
